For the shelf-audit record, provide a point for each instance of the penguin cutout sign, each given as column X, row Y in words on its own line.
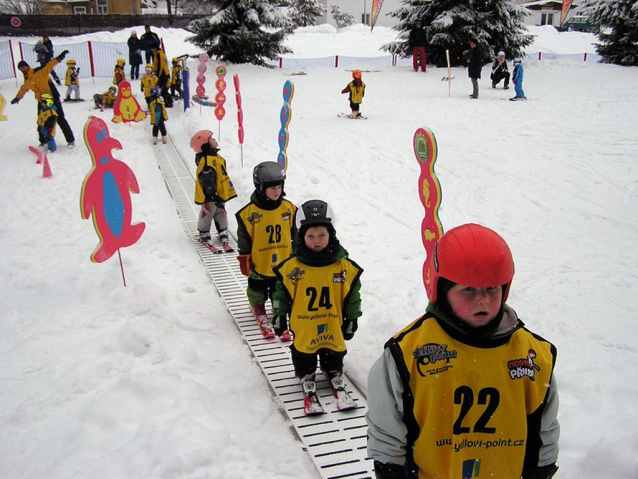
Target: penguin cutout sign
column 106, row 194
column 126, row 108
column 3, row 103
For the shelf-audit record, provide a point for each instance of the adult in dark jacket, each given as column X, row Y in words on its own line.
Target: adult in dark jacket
column 474, row 65
column 46, row 41
column 134, row 55
column 149, row 39
column 500, row 72
column 417, row 43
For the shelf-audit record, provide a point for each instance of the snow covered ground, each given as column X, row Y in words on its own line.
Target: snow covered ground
column 153, row 380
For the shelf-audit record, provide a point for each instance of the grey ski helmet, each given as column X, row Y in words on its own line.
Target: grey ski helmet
column 314, row 213
column 268, row 174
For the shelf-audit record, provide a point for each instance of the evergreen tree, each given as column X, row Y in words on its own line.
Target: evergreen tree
column 304, row 13
column 242, row 31
column 451, row 24
column 620, row 45
column 342, row 19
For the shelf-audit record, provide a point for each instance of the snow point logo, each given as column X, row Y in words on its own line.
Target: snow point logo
column 431, row 353
column 322, row 328
column 296, row 275
column 339, row 277
column 286, row 215
column 254, row 218
column 523, row 367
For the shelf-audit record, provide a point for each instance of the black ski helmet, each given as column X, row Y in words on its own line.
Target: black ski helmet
column 314, row 213
column 267, row 175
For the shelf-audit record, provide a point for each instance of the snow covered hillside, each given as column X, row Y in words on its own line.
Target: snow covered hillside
column 154, row 380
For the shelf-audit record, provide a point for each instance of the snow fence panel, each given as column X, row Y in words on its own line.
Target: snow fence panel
column 105, row 54
column 6, row 67
column 77, row 51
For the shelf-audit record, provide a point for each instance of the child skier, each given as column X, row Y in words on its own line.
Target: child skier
column 318, row 287
column 500, row 72
column 517, row 79
column 356, row 89
column 157, row 114
column 213, row 188
column 71, row 80
column 47, row 120
column 119, row 74
column 176, row 78
column 467, row 385
column 148, row 80
column 265, row 231
column 106, row 99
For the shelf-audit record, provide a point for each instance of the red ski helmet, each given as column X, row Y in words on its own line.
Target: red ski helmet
column 471, row 255
column 199, row 139
column 356, row 74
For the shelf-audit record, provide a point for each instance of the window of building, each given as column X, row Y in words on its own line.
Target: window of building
column 102, row 7
column 547, row 19
column 79, row 10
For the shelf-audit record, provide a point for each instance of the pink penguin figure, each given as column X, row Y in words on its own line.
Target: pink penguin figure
column 106, row 193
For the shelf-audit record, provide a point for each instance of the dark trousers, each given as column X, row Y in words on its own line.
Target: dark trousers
column 497, row 77
column 135, row 72
column 331, row 362
column 159, row 127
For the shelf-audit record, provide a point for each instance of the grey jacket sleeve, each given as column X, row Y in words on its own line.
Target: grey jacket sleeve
column 550, row 430
column 387, row 433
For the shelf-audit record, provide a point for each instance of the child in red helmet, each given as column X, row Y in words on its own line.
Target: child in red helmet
column 213, row 188
column 467, row 386
column 356, row 89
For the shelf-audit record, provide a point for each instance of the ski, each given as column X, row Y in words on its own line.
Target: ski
column 286, row 335
column 343, row 400
column 210, row 246
column 311, row 404
column 347, row 115
column 227, row 248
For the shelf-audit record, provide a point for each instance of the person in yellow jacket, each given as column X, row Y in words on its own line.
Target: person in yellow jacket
column 47, row 119
column 213, row 188
column 265, row 232
column 466, row 390
column 71, row 80
column 119, row 73
column 148, row 81
column 106, row 99
column 356, row 90
column 37, row 80
column 318, row 288
column 163, row 73
column 157, row 115
column 176, row 79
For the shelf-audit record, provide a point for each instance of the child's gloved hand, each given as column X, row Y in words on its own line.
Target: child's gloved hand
column 244, row 264
column 348, row 328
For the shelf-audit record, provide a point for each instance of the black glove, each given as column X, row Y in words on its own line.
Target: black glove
column 348, row 328
column 280, row 324
column 545, row 472
column 61, row 56
column 15, row 101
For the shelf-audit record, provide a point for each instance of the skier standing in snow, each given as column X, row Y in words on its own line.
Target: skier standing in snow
column 46, row 41
column 176, row 78
column 356, row 90
column 119, row 74
column 157, row 115
column 517, row 79
column 318, row 288
column 500, row 72
column 161, row 70
column 416, row 42
column 213, row 188
column 265, row 232
column 147, row 40
column 148, row 81
column 71, row 80
column 47, row 119
column 467, row 385
column 134, row 54
column 474, row 66
column 38, row 81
